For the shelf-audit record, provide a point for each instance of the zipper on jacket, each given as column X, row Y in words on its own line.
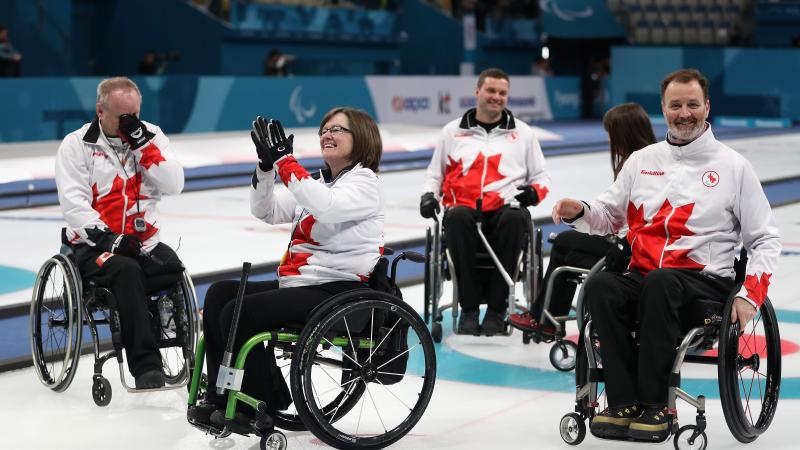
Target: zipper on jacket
column 666, row 234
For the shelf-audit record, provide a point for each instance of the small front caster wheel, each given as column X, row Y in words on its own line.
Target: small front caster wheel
column 436, row 332
column 274, row 441
column 689, row 437
column 572, row 428
column 101, row 391
column 563, row 355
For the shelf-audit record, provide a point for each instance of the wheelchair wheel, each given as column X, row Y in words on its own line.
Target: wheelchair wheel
column 563, row 355
column 274, row 441
column 178, row 336
column 749, row 372
column 436, row 332
column 389, row 403
column 572, row 428
column 684, row 439
column 101, row 391
column 56, row 323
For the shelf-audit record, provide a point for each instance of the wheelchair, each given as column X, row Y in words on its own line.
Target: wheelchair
column 361, row 370
column 439, row 267
column 748, row 370
column 62, row 304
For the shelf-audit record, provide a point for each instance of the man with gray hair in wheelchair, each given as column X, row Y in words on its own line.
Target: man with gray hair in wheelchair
column 110, row 175
column 689, row 202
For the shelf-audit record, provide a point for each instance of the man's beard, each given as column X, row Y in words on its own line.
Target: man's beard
column 687, row 135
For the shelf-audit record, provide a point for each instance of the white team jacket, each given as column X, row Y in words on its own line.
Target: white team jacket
column 98, row 186
column 690, row 207
column 468, row 163
column 337, row 232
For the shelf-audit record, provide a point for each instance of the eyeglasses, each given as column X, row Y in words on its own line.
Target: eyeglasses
column 336, row 129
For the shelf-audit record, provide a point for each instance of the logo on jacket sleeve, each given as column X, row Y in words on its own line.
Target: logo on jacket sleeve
column 710, row 179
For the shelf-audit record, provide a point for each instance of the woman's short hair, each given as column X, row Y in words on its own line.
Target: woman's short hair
column 367, row 144
column 629, row 129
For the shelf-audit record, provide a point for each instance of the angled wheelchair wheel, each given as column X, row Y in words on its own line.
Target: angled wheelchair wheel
column 563, row 355
column 178, row 334
column 749, row 372
column 377, row 373
column 56, row 323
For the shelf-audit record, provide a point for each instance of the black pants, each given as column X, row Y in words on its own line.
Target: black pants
column 505, row 230
column 657, row 302
column 128, row 279
column 265, row 307
column 571, row 248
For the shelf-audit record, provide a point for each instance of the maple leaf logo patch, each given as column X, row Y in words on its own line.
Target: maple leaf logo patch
column 710, row 179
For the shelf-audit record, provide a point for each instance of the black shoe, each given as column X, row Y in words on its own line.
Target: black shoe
column 201, row 413
column 493, row 323
column 468, row 323
column 241, row 423
column 613, row 422
column 651, row 426
column 151, row 379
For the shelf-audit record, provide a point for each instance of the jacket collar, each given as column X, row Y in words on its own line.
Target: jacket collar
column 468, row 120
column 697, row 146
column 94, row 132
column 326, row 172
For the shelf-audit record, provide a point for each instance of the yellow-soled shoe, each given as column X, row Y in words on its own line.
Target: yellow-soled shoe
column 613, row 423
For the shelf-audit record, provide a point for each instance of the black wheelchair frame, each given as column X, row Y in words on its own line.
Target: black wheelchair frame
column 352, row 351
column 438, row 267
column 740, row 371
column 62, row 304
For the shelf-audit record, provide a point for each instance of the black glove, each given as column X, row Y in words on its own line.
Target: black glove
column 527, row 196
column 271, row 142
column 428, row 206
column 119, row 244
column 618, row 256
column 133, row 131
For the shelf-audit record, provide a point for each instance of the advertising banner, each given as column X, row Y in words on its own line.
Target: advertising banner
column 436, row 100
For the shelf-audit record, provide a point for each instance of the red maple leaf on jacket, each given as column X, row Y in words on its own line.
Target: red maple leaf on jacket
column 301, row 235
column 463, row 189
column 649, row 241
column 111, row 206
column 757, row 287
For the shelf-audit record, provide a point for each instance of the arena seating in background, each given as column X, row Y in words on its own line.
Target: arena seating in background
column 682, row 22
column 310, row 21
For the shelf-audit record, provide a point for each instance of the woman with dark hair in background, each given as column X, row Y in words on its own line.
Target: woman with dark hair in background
column 629, row 129
column 336, row 240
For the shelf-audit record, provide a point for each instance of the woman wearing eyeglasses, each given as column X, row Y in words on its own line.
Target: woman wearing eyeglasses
column 336, row 240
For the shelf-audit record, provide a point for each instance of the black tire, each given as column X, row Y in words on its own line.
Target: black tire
column 373, row 428
column 273, row 441
column 436, row 332
column 572, row 428
column 526, row 338
column 684, row 434
column 56, row 323
column 101, row 391
column 179, row 337
column 563, row 355
column 748, row 390
column 428, row 278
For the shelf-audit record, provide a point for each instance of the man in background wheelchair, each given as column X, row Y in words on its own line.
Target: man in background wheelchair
column 487, row 167
column 110, row 174
column 687, row 202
